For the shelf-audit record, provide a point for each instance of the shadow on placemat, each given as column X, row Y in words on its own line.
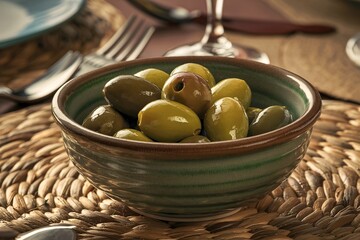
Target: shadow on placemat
column 40, row 186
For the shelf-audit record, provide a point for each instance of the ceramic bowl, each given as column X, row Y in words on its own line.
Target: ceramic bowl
column 189, row 182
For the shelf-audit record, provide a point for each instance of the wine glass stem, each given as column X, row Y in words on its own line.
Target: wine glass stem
column 214, row 32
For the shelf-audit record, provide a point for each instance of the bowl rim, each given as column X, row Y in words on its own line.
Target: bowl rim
column 219, row 148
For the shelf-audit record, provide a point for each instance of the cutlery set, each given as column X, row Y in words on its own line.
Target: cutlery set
column 126, row 44
column 46, row 84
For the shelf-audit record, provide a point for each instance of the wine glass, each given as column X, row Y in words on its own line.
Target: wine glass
column 214, row 43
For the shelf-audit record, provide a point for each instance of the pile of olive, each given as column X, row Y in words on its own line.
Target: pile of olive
column 186, row 106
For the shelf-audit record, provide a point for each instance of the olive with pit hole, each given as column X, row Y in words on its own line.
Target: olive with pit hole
column 197, row 69
column 226, row 120
column 129, row 94
column 189, row 89
column 168, row 121
column 106, row 120
column 269, row 119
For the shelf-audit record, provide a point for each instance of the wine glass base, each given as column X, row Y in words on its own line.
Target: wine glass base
column 235, row 51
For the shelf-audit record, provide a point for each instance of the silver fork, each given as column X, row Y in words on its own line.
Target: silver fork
column 46, row 84
column 126, row 44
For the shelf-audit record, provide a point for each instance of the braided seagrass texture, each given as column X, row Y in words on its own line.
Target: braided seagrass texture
column 40, row 186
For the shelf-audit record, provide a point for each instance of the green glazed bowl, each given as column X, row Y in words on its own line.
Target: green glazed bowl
column 189, row 182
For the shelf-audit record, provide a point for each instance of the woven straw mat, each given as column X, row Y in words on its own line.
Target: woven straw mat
column 21, row 63
column 40, row 186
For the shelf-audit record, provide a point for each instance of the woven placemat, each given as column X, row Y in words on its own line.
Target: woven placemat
column 21, row 63
column 40, row 186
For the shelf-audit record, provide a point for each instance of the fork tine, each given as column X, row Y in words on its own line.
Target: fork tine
column 136, row 46
column 117, row 36
column 126, row 44
column 139, row 46
column 126, row 39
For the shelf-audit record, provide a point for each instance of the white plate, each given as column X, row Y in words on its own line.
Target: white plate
column 24, row 19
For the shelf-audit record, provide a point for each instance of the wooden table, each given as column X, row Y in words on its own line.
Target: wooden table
column 320, row 59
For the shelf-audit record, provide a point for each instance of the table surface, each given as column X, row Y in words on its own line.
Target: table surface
column 319, row 200
column 320, row 59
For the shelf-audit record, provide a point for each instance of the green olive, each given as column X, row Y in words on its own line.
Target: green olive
column 189, row 89
column 106, row 120
column 129, row 94
column 197, row 69
column 195, row 139
column 226, row 120
column 269, row 119
column 168, row 121
column 252, row 112
column 132, row 134
column 153, row 75
column 232, row 87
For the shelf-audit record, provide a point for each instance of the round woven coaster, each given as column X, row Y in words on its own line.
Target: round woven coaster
column 40, row 186
column 21, row 63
